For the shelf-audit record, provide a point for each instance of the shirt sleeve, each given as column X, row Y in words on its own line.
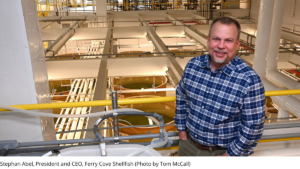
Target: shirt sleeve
column 180, row 113
column 252, row 123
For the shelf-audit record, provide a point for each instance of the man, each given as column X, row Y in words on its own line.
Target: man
column 220, row 99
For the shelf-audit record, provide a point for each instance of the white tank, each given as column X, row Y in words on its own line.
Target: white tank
column 112, row 150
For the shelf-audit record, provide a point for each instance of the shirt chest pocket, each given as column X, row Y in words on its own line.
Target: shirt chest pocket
column 229, row 110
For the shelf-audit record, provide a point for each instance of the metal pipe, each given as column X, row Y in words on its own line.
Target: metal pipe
column 126, row 101
column 93, row 140
column 161, row 53
column 104, row 128
column 46, row 149
column 280, row 136
column 282, row 114
column 277, row 125
column 3, row 152
column 98, row 135
column 60, row 41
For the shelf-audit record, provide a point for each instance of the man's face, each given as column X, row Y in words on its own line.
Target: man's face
column 222, row 43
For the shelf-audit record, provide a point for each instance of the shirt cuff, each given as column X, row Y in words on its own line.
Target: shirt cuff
column 234, row 150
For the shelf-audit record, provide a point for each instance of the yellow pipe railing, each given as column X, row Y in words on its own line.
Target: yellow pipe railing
column 260, row 141
column 282, row 92
column 126, row 101
column 139, row 101
column 279, row 139
column 92, row 103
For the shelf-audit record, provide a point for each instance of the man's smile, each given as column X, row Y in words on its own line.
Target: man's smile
column 220, row 53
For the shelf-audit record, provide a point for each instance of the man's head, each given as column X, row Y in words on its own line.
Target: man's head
column 223, row 41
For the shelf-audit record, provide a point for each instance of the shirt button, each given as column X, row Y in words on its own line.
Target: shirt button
column 206, row 92
column 202, row 107
column 195, row 135
column 212, row 77
column 198, row 121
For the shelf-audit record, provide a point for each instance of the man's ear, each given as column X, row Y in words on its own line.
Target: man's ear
column 238, row 44
column 207, row 40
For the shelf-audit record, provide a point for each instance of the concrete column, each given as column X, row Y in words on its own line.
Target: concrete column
column 23, row 73
column 101, row 85
column 101, row 7
column 263, row 36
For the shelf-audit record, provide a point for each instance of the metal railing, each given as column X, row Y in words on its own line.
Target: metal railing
column 126, row 101
column 285, row 137
column 129, row 5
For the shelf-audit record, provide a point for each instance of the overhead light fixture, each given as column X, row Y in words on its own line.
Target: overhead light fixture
column 148, row 38
column 188, row 37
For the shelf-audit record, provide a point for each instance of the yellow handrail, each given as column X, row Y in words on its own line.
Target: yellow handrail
column 279, row 139
column 282, row 92
column 126, row 101
column 92, row 103
column 260, row 141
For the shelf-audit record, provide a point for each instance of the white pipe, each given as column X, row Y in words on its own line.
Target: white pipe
column 36, row 113
column 275, row 35
column 263, row 36
column 282, row 114
column 272, row 73
column 288, row 103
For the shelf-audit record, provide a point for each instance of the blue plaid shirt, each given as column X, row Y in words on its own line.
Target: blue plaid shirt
column 224, row 108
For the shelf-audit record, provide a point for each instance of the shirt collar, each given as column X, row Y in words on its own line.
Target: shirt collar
column 227, row 69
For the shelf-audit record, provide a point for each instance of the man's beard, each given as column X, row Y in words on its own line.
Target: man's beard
column 220, row 61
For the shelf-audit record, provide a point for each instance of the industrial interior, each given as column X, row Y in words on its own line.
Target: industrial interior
column 70, row 51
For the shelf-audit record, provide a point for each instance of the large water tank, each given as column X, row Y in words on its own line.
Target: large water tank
column 148, row 82
column 166, row 109
column 112, row 150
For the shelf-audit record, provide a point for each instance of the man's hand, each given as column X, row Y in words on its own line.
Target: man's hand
column 183, row 135
column 224, row 155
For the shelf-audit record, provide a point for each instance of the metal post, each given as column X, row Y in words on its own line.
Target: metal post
column 114, row 98
column 127, row 4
